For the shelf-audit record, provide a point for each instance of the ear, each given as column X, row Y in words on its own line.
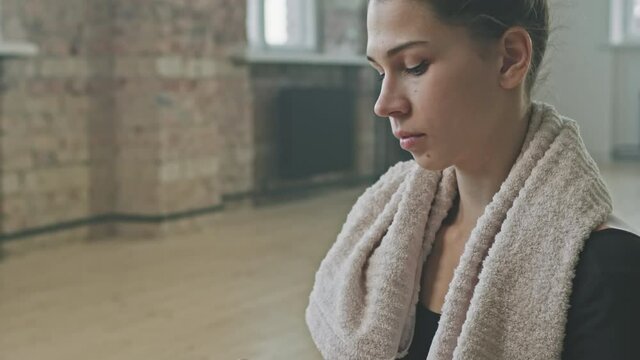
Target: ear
column 516, row 52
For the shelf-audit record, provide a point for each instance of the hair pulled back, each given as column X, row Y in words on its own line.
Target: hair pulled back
column 488, row 20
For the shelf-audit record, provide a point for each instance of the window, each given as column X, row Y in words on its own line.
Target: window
column 0, row 20
column 14, row 48
column 635, row 21
column 625, row 21
column 282, row 24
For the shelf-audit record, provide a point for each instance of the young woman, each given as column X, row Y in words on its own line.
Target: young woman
column 494, row 242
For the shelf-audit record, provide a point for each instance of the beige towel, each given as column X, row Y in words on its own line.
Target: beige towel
column 510, row 292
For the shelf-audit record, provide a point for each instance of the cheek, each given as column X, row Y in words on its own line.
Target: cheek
column 440, row 100
column 454, row 96
column 464, row 85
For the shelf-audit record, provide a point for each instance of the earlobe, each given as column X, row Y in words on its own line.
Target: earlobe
column 516, row 48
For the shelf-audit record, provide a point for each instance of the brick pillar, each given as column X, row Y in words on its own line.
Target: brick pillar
column 183, row 134
column 46, row 155
column 131, row 114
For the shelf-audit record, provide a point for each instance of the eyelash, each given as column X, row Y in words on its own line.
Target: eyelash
column 418, row 70
column 415, row 71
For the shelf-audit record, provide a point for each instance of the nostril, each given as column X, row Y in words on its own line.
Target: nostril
column 390, row 101
column 380, row 110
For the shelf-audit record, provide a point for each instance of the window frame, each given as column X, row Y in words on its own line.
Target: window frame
column 1, row 22
column 622, row 28
column 256, row 32
column 634, row 30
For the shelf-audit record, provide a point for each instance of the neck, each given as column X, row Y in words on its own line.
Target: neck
column 479, row 178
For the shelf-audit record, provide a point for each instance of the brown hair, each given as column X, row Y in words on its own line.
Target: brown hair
column 488, row 20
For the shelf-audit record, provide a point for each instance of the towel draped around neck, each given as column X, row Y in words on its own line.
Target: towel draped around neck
column 509, row 295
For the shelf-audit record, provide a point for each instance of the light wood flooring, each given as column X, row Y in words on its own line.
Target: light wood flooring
column 236, row 291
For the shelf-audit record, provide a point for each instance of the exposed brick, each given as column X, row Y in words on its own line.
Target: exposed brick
column 134, row 107
column 10, row 183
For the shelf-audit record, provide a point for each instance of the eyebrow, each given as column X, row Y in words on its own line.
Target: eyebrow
column 401, row 47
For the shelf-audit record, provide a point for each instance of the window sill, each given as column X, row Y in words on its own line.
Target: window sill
column 627, row 45
column 304, row 58
column 17, row 49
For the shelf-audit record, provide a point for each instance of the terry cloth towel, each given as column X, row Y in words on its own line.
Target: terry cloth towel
column 509, row 295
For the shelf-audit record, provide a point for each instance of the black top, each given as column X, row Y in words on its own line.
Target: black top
column 426, row 326
column 604, row 314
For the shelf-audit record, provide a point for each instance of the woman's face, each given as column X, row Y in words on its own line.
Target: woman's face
column 434, row 83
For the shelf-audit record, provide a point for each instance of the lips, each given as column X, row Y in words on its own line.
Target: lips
column 406, row 134
column 408, row 139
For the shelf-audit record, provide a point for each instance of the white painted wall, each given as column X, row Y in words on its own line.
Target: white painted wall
column 580, row 70
column 626, row 96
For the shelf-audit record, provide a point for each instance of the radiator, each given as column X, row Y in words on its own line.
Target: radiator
column 315, row 128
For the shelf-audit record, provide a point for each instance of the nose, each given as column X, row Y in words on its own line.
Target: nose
column 391, row 101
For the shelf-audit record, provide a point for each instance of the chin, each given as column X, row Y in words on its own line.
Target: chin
column 428, row 162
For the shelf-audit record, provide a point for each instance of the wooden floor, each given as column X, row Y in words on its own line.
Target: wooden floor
column 237, row 291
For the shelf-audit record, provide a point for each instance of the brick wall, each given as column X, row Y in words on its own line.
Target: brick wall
column 132, row 111
column 46, row 101
column 120, row 112
column 344, row 26
column 177, row 92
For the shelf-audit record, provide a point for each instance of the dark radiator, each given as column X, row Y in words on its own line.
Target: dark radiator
column 315, row 130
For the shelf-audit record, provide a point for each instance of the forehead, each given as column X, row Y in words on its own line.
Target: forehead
column 391, row 22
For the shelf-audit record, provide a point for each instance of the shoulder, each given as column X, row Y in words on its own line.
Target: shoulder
column 603, row 308
column 608, row 268
column 610, row 250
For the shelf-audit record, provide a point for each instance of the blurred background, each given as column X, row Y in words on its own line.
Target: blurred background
column 173, row 171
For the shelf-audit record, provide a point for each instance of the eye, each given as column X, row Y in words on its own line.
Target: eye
column 418, row 70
